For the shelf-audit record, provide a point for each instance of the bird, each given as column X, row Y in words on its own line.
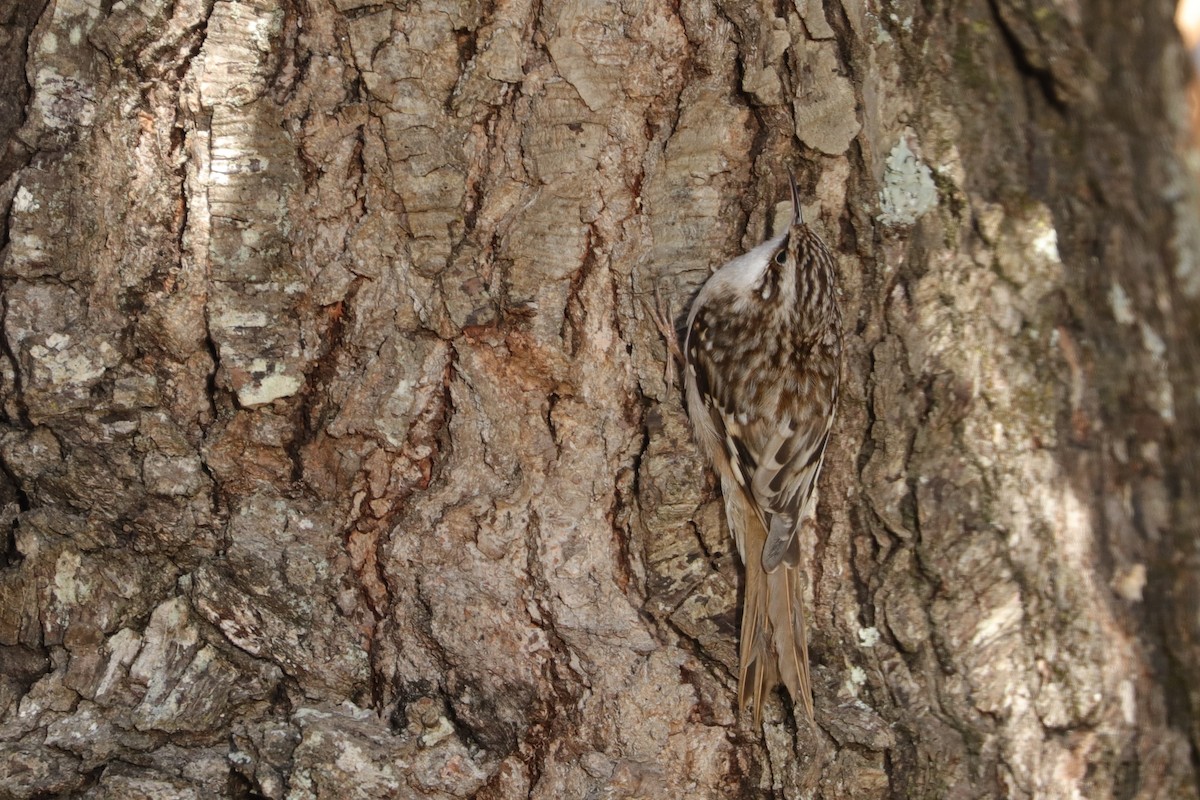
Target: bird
column 762, row 372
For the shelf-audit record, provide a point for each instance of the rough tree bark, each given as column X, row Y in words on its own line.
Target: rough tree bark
column 339, row 456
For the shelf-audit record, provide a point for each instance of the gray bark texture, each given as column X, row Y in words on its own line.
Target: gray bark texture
column 342, row 457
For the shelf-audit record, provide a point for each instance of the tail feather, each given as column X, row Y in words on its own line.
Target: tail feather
column 786, row 613
column 774, row 641
column 757, row 668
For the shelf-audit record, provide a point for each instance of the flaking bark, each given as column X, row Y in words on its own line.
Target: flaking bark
column 339, row 459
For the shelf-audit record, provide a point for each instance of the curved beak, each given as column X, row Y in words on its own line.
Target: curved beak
column 797, row 211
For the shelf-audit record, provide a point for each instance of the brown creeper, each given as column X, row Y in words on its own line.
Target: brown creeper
column 763, row 366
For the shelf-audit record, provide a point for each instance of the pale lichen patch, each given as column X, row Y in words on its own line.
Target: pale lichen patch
column 1153, row 343
column 273, row 384
column 908, row 189
column 1122, row 308
column 226, row 317
column 24, row 201
column 1130, row 583
column 57, row 365
column 66, row 570
column 1045, row 243
column 868, row 637
column 1161, row 393
column 856, row 678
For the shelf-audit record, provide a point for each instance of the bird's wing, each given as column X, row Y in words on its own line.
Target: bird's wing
column 783, row 483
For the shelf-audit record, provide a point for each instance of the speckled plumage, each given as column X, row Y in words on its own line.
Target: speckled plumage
column 762, row 372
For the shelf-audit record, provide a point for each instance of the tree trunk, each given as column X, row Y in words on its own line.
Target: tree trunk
column 342, row 456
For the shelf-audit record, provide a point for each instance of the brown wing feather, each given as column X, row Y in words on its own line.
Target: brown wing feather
column 786, row 489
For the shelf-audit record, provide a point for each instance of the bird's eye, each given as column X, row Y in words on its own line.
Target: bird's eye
column 781, row 256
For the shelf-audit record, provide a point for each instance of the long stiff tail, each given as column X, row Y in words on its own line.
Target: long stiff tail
column 774, row 637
